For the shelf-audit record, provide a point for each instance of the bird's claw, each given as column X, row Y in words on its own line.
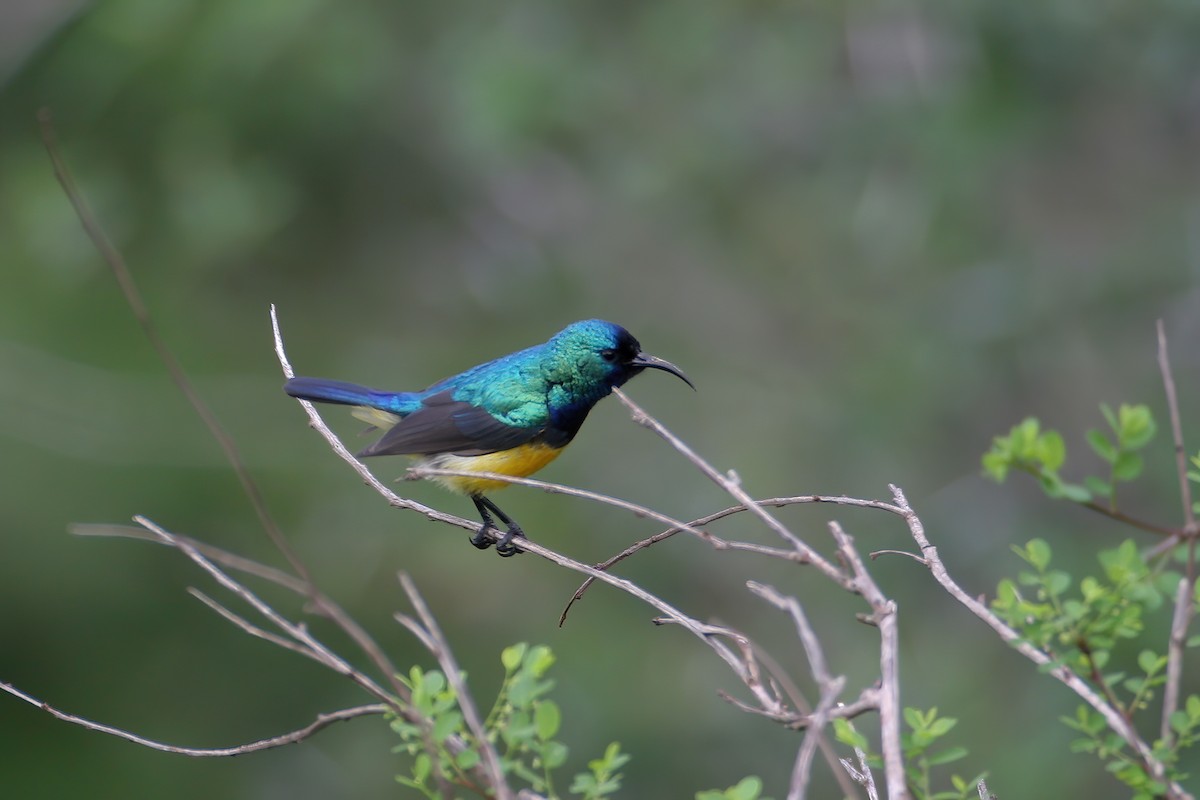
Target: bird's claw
column 504, row 548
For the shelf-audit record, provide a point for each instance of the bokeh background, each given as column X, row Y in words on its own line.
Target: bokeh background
column 873, row 234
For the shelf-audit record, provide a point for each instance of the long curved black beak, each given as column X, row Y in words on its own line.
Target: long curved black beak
column 647, row 361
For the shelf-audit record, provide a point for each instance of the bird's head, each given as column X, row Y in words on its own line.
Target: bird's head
column 599, row 355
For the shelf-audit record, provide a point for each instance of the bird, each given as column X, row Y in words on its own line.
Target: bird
column 512, row 415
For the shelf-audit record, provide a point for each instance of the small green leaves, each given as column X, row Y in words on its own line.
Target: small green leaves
column 1042, row 454
column 1131, row 428
column 523, row 719
column 1026, row 447
column 603, row 780
column 747, row 789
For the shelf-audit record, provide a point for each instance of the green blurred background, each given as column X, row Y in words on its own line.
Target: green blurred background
column 873, row 234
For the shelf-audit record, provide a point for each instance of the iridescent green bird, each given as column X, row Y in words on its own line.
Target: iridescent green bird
column 511, row 416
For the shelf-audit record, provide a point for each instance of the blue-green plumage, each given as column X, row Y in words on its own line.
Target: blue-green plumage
column 519, row 406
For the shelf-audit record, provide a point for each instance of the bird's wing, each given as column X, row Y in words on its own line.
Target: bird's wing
column 446, row 425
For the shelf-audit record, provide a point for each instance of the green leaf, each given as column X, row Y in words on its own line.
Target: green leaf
column 1037, row 553
column 946, row 756
column 467, row 759
column 1057, row 582
column 1051, row 451
column 1101, row 444
column 546, row 718
column 554, row 755
column 541, row 658
column 1127, row 466
column 446, row 725
column 1074, row 492
column 511, row 657
column 914, row 718
column 422, row 766
column 746, row 789
column 1150, row 662
column 1137, row 426
column 845, row 733
column 995, row 465
column 1098, row 486
column 1110, row 417
column 942, row 726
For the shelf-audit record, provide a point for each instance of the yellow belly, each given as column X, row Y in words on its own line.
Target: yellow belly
column 517, row 462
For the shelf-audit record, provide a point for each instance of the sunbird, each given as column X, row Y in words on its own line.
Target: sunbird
column 511, row 416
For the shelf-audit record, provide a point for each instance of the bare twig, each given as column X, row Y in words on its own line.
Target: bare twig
column 1133, row 522
column 884, row 617
column 319, row 602
column 1182, row 618
column 431, row 635
column 774, row 502
column 862, row 773
column 731, row 484
column 829, row 686
column 1185, row 487
column 217, row 554
column 322, row 721
column 299, row 633
column 254, row 630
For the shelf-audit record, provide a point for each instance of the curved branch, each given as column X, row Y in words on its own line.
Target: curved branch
column 322, row 721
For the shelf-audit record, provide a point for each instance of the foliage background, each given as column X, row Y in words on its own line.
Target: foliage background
column 873, row 234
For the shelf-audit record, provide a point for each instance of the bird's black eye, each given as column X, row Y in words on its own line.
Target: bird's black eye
column 609, row 355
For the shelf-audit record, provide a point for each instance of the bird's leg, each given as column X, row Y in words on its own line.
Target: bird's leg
column 486, row 508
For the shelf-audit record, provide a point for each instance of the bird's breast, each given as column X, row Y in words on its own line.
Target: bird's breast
column 518, row 462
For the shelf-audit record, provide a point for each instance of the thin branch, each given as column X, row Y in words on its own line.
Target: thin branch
column 254, row 630
column 319, row 602
column 1182, row 618
column 731, row 484
column 322, row 721
column 1080, row 687
column 440, row 649
column 802, row 768
column 1133, row 522
column 141, row 313
column 884, row 617
column 1185, row 488
column 774, row 502
column 297, row 632
column 830, row 687
column 862, row 774
column 221, row 556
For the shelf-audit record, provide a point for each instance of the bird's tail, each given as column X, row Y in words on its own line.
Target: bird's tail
column 351, row 394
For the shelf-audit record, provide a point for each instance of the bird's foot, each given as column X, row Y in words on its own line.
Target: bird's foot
column 481, row 539
column 505, row 547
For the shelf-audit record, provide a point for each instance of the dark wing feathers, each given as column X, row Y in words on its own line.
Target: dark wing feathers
column 445, row 425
